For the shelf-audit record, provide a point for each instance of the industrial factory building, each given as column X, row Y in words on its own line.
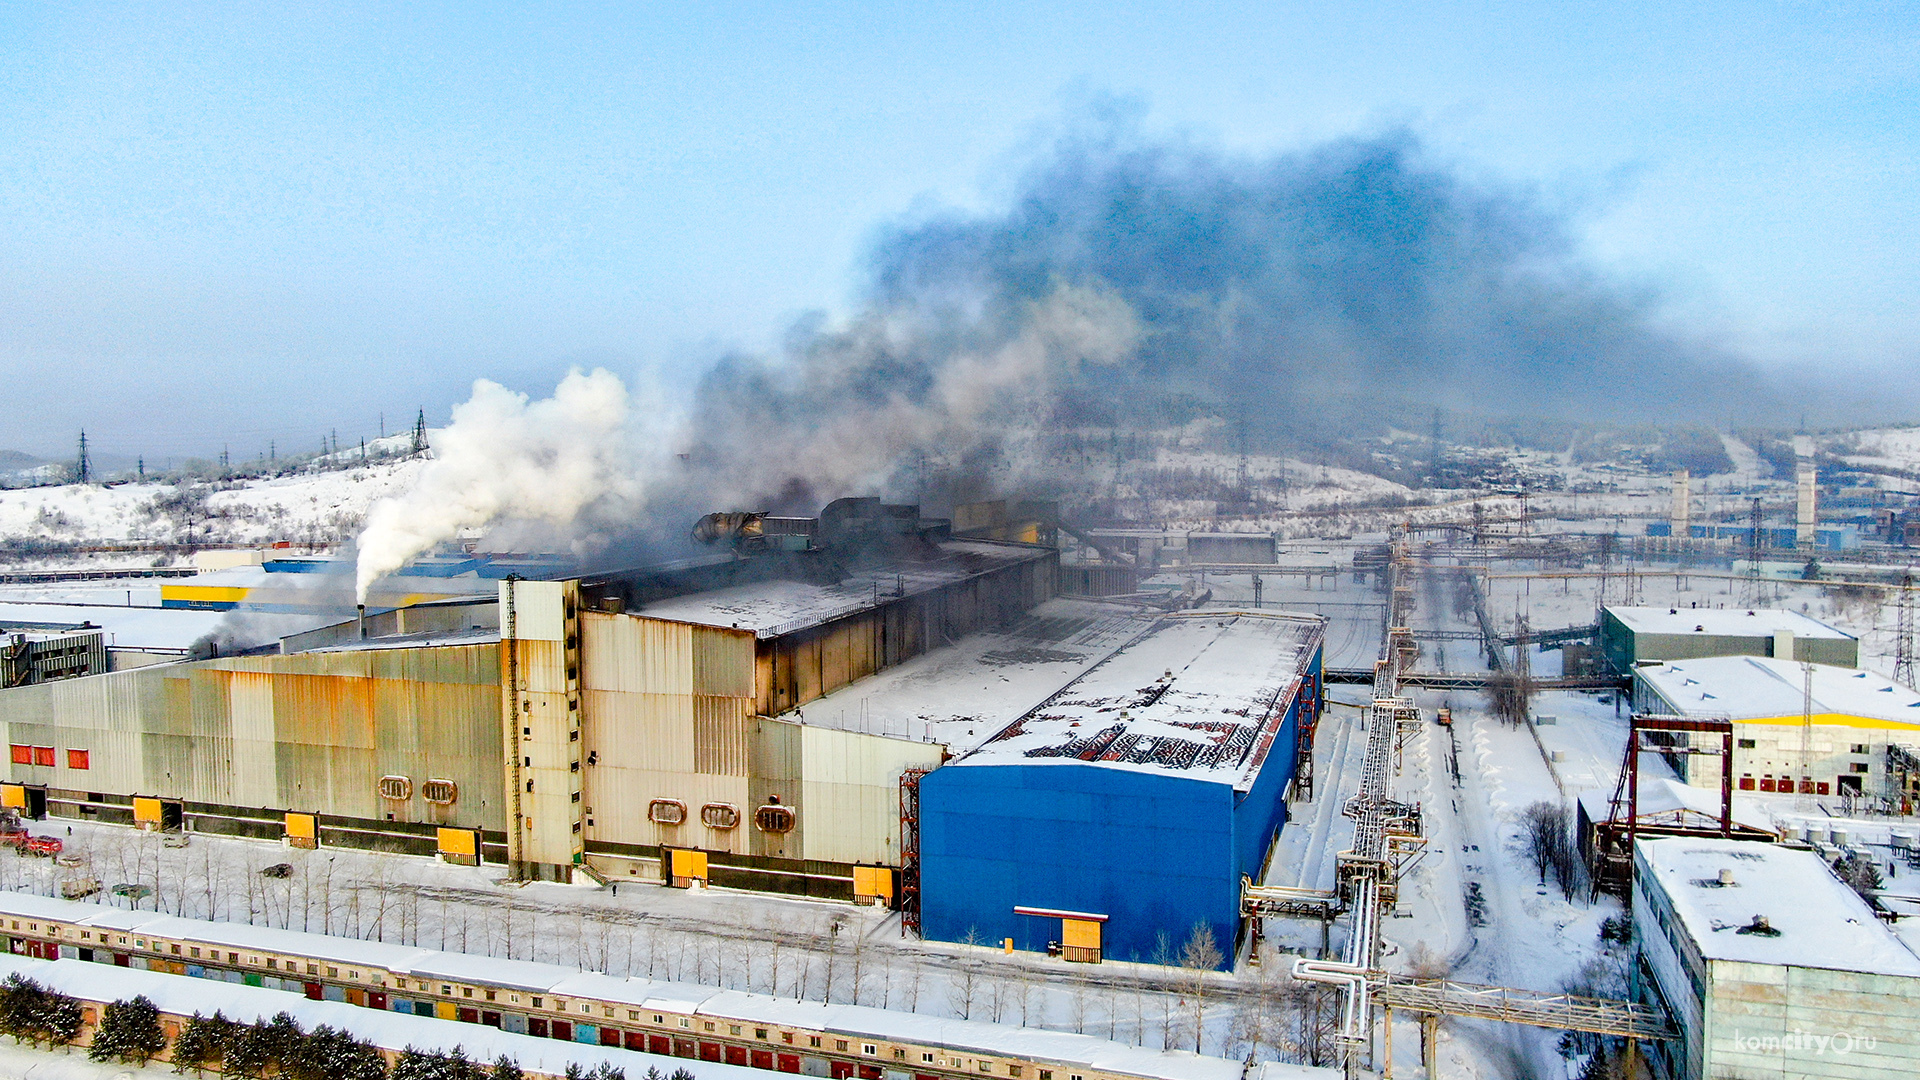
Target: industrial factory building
column 1637, row 635
column 1861, row 739
column 1128, row 805
column 606, row 723
column 1769, row 965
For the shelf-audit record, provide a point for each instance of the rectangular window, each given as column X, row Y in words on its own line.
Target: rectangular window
column 733, row 1029
column 77, row 759
column 536, row 1003
column 926, row 1057
column 1861, row 766
column 839, row 1044
column 658, row 1019
column 759, row 1033
column 813, row 1040
column 1745, row 744
column 193, row 952
column 490, row 995
column 1857, row 748
column 22, row 755
column 708, row 1025
column 43, row 755
column 176, row 951
column 869, row 1048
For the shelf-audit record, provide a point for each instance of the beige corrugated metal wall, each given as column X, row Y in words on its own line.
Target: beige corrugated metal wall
column 312, row 732
column 670, row 715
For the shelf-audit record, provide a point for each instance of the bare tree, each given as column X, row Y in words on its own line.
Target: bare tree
column 1163, row 956
column 1198, row 959
column 963, row 985
column 1077, row 1005
column 912, row 989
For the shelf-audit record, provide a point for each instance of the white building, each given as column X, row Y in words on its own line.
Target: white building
column 1855, row 714
column 1769, row 965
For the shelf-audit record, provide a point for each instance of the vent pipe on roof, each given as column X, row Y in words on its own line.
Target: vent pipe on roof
column 363, row 622
column 1726, row 875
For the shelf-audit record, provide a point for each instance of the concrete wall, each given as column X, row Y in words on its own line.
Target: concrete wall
column 1766, row 1020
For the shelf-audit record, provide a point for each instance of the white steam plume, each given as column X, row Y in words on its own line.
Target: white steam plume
column 503, row 457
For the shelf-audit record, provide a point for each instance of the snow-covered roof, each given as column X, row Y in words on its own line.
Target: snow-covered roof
column 962, row 693
column 1762, row 688
column 1818, row 922
column 772, row 608
column 159, row 628
column 1202, row 695
column 1723, row 622
column 181, row 995
column 1664, row 800
column 424, row 639
column 429, row 965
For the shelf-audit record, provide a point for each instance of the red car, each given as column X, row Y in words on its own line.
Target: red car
column 43, row 846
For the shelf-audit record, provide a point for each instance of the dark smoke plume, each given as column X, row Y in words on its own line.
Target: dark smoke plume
column 1309, row 299
column 1294, row 294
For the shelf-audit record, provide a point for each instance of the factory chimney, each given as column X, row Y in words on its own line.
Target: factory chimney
column 1806, row 479
column 1682, row 515
column 363, row 622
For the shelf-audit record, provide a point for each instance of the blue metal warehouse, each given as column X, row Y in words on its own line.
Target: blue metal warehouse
column 1127, row 806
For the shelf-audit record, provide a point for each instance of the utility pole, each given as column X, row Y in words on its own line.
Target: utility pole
column 1756, row 523
column 1903, row 633
column 420, row 432
column 1803, row 800
column 83, row 468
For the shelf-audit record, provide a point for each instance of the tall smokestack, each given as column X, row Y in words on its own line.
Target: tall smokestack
column 1807, row 481
column 363, row 622
column 1682, row 515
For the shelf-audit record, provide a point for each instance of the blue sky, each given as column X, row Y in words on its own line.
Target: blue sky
column 229, row 224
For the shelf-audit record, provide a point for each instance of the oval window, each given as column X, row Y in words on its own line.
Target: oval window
column 396, row 787
column 774, row 819
column 443, row 792
column 667, row 811
column 719, row 815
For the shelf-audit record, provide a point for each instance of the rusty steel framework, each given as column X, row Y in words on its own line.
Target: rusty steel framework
column 1613, row 850
column 909, row 901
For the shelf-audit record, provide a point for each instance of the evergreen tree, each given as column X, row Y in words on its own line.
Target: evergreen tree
column 331, row 1054
column 33, row 1014
column 129, row 1032
column 201, row 1042
column 505, row 1068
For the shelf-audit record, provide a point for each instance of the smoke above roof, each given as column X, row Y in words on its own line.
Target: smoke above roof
column 1127, row 280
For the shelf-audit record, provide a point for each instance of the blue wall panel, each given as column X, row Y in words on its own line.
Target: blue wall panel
column 1153, row 852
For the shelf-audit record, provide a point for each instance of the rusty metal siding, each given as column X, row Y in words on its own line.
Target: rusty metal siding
column 723, row 662
column 720, row 733
column 793, row 669
column 311, row 732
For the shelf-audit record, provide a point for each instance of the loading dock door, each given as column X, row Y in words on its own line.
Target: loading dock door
column 685, row 867
column 1079, row 932
column 1080, row 940
column 460, row 846
column 303, row 830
